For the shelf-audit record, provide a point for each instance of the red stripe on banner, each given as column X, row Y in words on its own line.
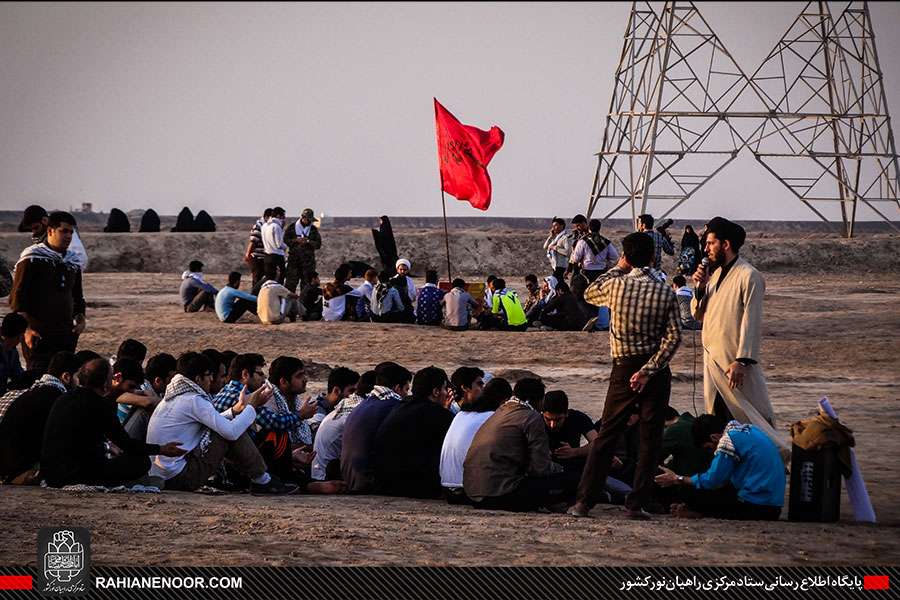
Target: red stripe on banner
column 876, row 582
column 15, row 582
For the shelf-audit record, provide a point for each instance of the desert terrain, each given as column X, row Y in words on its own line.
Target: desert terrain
column 832, row 324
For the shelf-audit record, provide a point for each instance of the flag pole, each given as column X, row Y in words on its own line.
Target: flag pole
column 443, row 196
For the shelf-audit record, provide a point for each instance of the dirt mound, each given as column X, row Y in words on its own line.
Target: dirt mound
column 474, row 253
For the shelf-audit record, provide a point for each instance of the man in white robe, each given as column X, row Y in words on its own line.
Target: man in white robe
column 728, row 300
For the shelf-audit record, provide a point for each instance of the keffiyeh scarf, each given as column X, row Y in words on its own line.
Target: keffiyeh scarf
column 44, row 252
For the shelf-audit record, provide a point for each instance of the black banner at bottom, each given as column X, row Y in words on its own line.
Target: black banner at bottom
column 54, row 579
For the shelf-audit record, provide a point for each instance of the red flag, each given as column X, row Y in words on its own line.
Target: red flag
column 464, row 153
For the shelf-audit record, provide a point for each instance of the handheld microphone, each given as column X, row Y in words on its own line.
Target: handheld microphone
column 705, row 264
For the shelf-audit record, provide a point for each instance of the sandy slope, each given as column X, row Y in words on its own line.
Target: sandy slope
column 824, row 335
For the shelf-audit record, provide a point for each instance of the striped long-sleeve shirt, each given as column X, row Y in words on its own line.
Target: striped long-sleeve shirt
column 266, row 417
column 643, row 315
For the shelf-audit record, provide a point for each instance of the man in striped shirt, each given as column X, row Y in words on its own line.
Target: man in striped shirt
column 255, row 254
column 644, row 334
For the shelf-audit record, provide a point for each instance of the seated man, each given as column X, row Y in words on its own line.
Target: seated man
column 12, row 334
column 405, row 280
column 509, row 466
column 330, row 434
column 232, row 303
column 746, row 458
column 160, row 371
column 276, row 303
column 357, row 464
column 563, row 312
column 363, row 304
column 22, row 422
column 125, row 392
column 341, row 384
column 428, row 306
column 506, row 310
column 312, row 298
column 534, row 292
column 683, row 293
column 209, row 437
column 459, row 307
column 566, row 427
column 408, row 443
column 78, row 426
column 467, row 388
column 387, row 306
column 196, row 294
column 220, row 369
column 547, row 293
column 282, row 422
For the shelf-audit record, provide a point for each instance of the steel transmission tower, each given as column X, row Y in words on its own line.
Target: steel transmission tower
column 813, row 114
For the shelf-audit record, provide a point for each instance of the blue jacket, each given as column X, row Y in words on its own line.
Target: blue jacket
column 748, row 459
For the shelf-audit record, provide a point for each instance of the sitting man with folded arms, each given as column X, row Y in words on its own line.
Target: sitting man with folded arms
column 78, row 426
column 357, row 451
column 408, row 443
column 509, row 466
column 22, row 421
column 187, row 414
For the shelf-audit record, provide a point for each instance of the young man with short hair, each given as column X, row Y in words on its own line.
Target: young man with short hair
column 208, row 436
column 341, row 384
column 458, row 307
column 330, row 434
column 357, row 458
column 196, row 294
column 274, row 248
column 276, row 303
column 534, row 292
column 12, row 334
column 428, row 308
column 255, row 254
column 684, row 294
column 506, row 312
column 558, row 246
column 78, row 426
column 47, row 291
column 231, row 302
column 644, row 335
column 661, row 243
column 593, row 254
column 408, row 443
column 467, row 387
column 509, row 466
column 36, row 221
column 22, row 420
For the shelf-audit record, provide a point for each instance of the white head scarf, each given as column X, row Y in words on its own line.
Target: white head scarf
column 552, row 282
column 403, row 261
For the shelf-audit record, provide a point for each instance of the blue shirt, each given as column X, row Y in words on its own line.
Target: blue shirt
column 748, row 459
column 428, row 308
column 226, row 298
column 190, row 287
column 10, row 368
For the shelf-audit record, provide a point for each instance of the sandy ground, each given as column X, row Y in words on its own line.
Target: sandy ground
column 823, row 335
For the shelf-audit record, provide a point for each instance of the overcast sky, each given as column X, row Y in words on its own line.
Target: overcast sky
column 235, row 107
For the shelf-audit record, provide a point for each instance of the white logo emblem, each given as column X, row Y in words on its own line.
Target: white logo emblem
column 64, row 560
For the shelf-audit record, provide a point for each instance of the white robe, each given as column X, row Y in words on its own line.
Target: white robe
column 732, row 321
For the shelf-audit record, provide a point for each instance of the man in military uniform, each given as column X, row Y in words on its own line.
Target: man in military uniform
column 302, row 240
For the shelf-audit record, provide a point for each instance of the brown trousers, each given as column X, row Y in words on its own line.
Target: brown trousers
column 203, row 464
column 621, row 403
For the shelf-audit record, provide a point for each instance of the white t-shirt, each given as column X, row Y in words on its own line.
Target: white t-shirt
column 183, row 419
column 456, row 444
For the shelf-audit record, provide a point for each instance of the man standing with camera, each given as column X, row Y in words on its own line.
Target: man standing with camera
column 662, row 241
